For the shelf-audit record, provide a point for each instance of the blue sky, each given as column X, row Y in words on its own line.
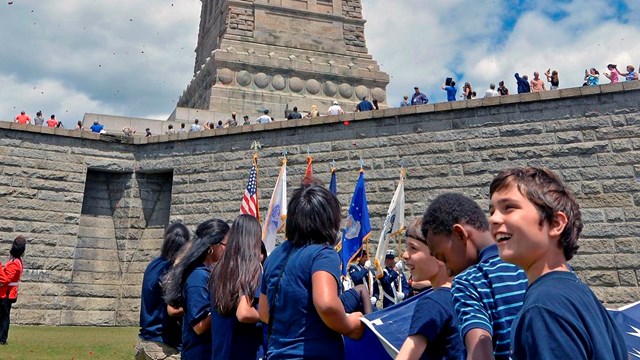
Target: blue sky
column 136, row 57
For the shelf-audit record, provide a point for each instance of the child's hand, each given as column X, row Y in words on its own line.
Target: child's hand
column 357, row 327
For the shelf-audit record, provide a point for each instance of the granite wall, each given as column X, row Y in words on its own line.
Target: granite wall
column 84, row 263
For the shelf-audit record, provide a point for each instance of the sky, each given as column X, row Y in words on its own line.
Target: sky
column 135, row 57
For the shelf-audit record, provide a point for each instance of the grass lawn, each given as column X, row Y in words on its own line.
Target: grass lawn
column 65, row 342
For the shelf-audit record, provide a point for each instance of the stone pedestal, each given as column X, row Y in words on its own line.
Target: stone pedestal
column 254, row 55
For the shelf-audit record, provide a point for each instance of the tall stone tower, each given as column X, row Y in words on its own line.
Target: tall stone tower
column 276, row 54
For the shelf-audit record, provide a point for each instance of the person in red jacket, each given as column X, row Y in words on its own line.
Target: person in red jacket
column 9, row 278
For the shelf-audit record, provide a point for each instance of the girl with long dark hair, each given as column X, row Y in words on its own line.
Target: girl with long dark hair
column 160, row 334
column 299, row 295
column 234, row 283
column 9, row 280
column 186, row 286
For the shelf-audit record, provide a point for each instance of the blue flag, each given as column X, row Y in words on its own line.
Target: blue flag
column 358, row 227
column 628, row 320
column 332, row 185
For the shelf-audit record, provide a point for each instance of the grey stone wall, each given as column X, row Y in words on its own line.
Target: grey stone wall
column 588, row 135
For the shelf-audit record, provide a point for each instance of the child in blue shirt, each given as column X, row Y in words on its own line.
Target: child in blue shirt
column 536, row 222
column 487, row 292
column 299, row 297
column 433, row 333
column 234, row 283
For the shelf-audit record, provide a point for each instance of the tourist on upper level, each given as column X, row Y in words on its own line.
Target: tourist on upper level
column 313, row 112
column 537, row 84
column 418, row 98
column 552, row 77
column 147, row 132
column 502, row 89
column 39, row 119
column 491, row 91
column 195, row 127
column 467, row 91
column 335, row 109
column 405, row 101
column 613, row 73
column 96, row 127
column 375, row 104
column 10, row 276
column 264, row 118
column 631, row 73
column 245, row 120
column 128, row 131
column 52, row 122
column 231, row 122
column 79, row 125
column 23, row 118
column 523, row 83
column 364, row 105
column 160, row 334
column 591, row 77
column 182, row 128
column 294, row 114
column 170, row 130
column 208, row 126
column 219, row 126
column 451, row 90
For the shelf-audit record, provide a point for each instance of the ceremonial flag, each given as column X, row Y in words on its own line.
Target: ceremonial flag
column 308, row 174
column 358, row 227
column 332, row 185
column 393, row 223
column 628, row 320
column 250, row 199
column 277, row 212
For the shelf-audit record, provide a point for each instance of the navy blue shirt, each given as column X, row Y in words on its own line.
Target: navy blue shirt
column 365, row 105
column 435, row 319
column 297, row 330
column 232, row 339
column 489, row 296
column 196, row 308
column 389, row 284
column 562, row 319
column 155, row 323
column 360, row 275
column 451, row 93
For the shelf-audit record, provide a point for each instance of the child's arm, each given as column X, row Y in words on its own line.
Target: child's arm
column 263, row 309
column 175, row 312
column 203, row 325
column 479, row 345
column 412, row 348
column 245, row 312
column 329, row 307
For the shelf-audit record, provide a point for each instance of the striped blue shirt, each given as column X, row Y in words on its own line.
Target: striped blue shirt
column 488, row 296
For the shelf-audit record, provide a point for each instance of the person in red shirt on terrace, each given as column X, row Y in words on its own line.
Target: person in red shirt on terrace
column 9, row 279
column 23, row 118
column 52, row 122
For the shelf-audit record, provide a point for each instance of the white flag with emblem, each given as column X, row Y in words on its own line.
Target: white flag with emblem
column 393, row 224
column 277, row 211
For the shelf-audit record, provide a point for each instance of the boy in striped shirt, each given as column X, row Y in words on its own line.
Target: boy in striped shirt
column 487, row 292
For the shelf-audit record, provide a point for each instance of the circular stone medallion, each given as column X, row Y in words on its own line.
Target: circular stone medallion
column 243, row 78
column 261, row 80
column 329, row 88
column 278, row 82
column 346, row 91
column 225, row 76
column 361, row 91
column 313, row 86
column 296, row 84
column 378, row 94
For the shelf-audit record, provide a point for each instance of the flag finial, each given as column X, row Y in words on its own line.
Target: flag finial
column 308, row 150
column 256, row 146
column 361, row 164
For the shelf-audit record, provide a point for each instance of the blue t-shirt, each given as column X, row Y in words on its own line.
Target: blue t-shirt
column 562, row 319
column 489, row 296
column 196, row 307
column 365, row 105
column 297, row 330
column 155, row 323
column 96, row 128
column 232, row 339
column 451, row 93
column 435, row 319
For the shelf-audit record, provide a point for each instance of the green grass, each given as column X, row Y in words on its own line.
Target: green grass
column 64, row 342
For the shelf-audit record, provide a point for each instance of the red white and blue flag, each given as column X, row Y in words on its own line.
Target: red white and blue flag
column 250, row 199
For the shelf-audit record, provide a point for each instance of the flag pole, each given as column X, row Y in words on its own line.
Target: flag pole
column 256, row 146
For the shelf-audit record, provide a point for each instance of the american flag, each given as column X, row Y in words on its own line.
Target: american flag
column 250, row 198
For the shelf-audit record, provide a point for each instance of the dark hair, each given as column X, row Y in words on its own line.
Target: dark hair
column 175, row 236
column 238, row 271
column 414, row 230
column 53, row 116
column 263, row 252
column 210, row 232
column 39, row 113
column 18, row 247
column 170, row 126
column 313, row 216
column 295, row 108
column 182, row 125
column 549, row 195
column 449, row 209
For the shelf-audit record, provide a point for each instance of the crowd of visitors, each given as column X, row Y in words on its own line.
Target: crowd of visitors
column 497, row 288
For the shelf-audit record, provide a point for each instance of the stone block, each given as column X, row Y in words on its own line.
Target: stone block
column 631, row 85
